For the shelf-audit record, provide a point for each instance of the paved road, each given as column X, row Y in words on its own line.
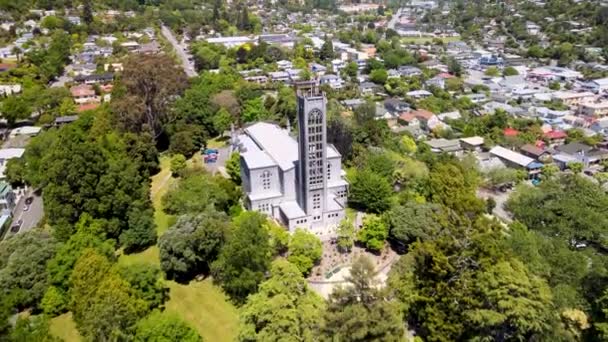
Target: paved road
column 181, row 52
column 500, row 198
column 31, row 217
column 391, row 24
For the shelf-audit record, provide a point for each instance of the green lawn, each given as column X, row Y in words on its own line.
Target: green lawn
column 63, row 327
column 206, row 308
column 202, row 304
column 218, row 142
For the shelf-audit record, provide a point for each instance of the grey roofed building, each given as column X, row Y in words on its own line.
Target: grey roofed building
column 517, row 160
column 65, row 119
column 444, row 145
column 352, row 103
column 298, row 182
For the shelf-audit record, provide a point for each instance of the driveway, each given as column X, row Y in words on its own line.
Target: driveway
column 500, row 198
column 220, row 164
column 180, row 51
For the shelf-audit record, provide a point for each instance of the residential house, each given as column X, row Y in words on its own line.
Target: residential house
column 408, row 119
column 151, row 48
column 284, row 64
column 428, row 120
column 535, row 152
column 517, row 160
column 580, row 152
column 334, row 81
column 231, row 42
column 598, row 86
column 64, row 120
column 450, row 146
column 95, row 79
column 260, row 79
column 7, row 154
column 130, row 46
column 352, row 103
column 7, row 198
column 318, row 69
column 571, row 98
column 279, row 76
column 10, row 89
column 600, row 126
column 555, row 137
column 436, row 81
column 594, row 109
column 395, row 105
column 369, row 88
column 419, row 94
column 409, row 71
column 472, row 143
column 84, row 93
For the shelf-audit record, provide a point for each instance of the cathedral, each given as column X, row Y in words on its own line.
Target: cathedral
column 298, row 181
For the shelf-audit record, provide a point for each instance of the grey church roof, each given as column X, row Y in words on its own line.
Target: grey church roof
column 276, row 142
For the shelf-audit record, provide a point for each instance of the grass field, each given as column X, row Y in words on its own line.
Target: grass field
column 424, row 40
column 202, row 304
column 63, row 327
column 206, row 308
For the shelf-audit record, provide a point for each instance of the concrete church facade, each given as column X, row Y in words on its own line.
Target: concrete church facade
column 298, row 182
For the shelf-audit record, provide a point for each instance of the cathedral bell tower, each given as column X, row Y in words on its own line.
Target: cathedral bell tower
column 312, row 149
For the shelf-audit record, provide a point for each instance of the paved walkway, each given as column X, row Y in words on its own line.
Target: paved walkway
column 180, row 51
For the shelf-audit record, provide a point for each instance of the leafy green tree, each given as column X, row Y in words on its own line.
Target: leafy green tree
column 370, row 191
column 279, row 237
column 510, row 71
column 198, row 191
column 104, row 305
column 492, row 71
column 549, row 170
column 164, row 327
column 413, row 222
column 408, row 145
column 374, row 232
column 34, row 328
column 285, row 308
column 142, row 228
column 327, row 50
column 23, row 266
column 233, row 167
column 85, row 167
column 146, row 283
column 148, row 86
column 14, row 108
column 178, row 164
column 245, row 257
column 192, row 244
column 378, row 76
column 54, row 301
column 361, row 312
column 568, row 206
column 15, row 171
column 254, row 110
column 501, row 175
column 345, row 235
column 305, row 250
column 462, row 264
column 454, row 187
column 222, row 121
column 454, row 67
column 576, row 167
column 89, row 235
column 351, row 69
